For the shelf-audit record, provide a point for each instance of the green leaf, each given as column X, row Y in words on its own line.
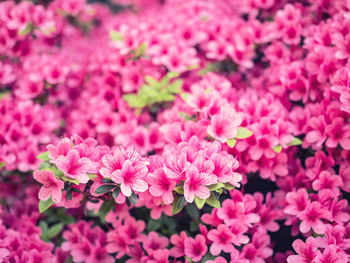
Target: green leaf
column 116, row 192
column 152, row 81
column 208, row 257
column 27, row 30
column 277, row 148
column 212, row 201
column 140, row 50
column 64, row 218
column 44, row 205
column 133, row 198
column 243, row 133
column 194, row 226
column 43, row 156
column 296, row 141
column 149, row 91
column 104, row 188
column 178, row 204
column 231, row 142
column 107, row 181
column 2, row 165
column 172, row 75
column 179, row 189
column 175, row 87
column 92, row 176
column 192, row 211
column 153, row 225
column 215, row 187
column 67, row 179
column 54, row 230
column 135, row 101
column 199, row 202
column 229, row 186
column 69, row 194
column 184, row 95
column 105, row 208
column 115, row 35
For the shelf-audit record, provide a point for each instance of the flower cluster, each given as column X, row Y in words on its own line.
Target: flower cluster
column 175, row 131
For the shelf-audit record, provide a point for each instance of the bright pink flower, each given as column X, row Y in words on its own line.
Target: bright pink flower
column 112, row 163
column 337, row 132
column 223, row 128
column 117, row 244
column 52, row 186
column 331, row 255
column 223, row 240
column 130, row 177
column 195, row 185
column 154, row 242
column 297, row 202
column 196, row 248
column 327, row 180
column 132, row 230
column 161, row 186
column 74, row 167
column 178, row 241
column 306, row 251
column 311, row 218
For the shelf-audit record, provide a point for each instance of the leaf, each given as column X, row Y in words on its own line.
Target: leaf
column 116, row 192
column 140, row 50
column 133, row 198
column 2, row 165
column 107, row 181
column 69, row 194
column 43, row 156
column 104, row 188
column 152, row 81
column 178, row 204
column 153, row 225
column 277, row 148
column 92, row 176
column 135, row 101
column 115, row 35
column 229, row 186
column 175, row 87
column 194, row 226
column 243, row 133
column 231, row 142
column 67, row 179
column 44, row 205
column 172, row 75
column 214, row 187
column 64, row 218
column 296, row 141
column 208, row 257
column 184, row 95
column 199, row 202
column 105, row 208
column 212, row 201
column 192, row 211
column 27, row 30
column 54, row 230
column 179, row 189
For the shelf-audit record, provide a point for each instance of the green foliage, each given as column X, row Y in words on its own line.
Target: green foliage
column 115, row 35
column 178, row 204
column 104, row 188
column 49, row 233
column 277, row 148
column 43, row 156
column 296, row 141
column 44, row 205
column 212, row 201
column 133, row 198
column 155, row 91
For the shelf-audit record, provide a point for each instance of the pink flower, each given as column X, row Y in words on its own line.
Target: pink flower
column 178, row 241
column 130, row 177
column 306, row 251
column 222, row 128
column 337, row 132
column 195, row 185
column 161, row 186
column 327, row 180
column 297, row 202
column 52, row 186
column 154, row 242
column 311, row 218
column 4, row 253
column 331, row 254
column 74, row 167
column 112, row 163
column 196, row 248
column 222, row 240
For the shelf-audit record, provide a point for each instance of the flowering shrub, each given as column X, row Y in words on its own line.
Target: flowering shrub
column 174, row 131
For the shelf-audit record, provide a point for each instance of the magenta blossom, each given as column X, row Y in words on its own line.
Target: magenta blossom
column 52, row 186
